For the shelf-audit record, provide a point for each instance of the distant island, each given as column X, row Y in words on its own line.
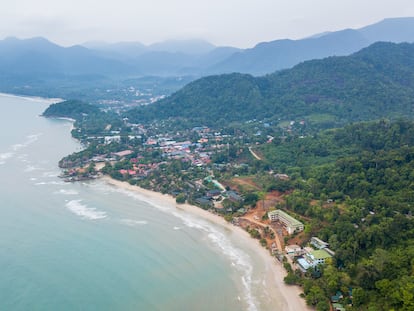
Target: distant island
column 314, row 162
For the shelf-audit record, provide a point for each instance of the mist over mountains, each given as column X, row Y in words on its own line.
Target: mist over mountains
column 37, row 66
column 375, row 82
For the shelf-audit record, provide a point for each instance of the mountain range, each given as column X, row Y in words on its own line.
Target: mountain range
column 376, row 82
column 39, row 58
column 268, row 57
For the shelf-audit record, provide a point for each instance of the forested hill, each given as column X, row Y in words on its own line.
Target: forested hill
column 366, row 171
column 375, row 82
column 74, row 109
column 87, row 117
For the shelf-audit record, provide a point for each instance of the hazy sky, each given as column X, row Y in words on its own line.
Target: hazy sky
column 240, row 23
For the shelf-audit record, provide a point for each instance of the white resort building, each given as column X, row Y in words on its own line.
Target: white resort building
column 292, row 225
column 314, row 258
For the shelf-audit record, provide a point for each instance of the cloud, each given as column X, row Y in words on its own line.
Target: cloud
column 231, row 22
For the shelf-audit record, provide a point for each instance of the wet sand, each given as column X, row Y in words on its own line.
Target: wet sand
column 283, row 297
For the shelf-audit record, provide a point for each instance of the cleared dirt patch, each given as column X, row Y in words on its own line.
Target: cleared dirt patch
column 247, row 183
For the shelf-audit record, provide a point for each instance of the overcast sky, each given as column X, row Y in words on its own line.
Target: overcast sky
column 241, row 23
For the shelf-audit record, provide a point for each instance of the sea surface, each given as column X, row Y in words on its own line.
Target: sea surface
column 91, row 246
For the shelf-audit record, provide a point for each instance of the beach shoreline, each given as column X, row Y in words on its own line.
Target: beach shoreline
column 33, row 98
column 285, row 297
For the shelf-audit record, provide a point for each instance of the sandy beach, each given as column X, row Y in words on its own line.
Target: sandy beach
column 282, row 296
column 33, row 98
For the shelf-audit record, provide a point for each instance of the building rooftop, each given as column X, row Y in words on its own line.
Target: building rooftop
column 292, row 247
column 303, row 263
column 320, row 254
column 292, row 221
column 318, row 242
column 123, row 153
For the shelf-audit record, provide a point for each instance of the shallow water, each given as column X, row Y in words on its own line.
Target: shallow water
column 91, row 246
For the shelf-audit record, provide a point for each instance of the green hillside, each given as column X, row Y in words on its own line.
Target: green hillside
column 365, row 171
column 89, row 119
column 74, row 109
column 376, row 82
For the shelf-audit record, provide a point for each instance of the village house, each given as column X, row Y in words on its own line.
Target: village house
column 313, row 259
column 233, row 196
column 293, row 250
column 204, row 201
column 151, row 142
column 318, row 243
column 214, row 193
column 127, row 172
column 281, row 177
column 112, row 139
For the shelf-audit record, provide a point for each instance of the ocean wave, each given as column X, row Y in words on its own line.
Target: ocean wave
column 67, row 192
column 105, row 188
column 239, row 259
column 30, row 139
column 17, row 147
column 6, row 155
column 132, row 222
column 85, row 212
column 56, row 183
column 31, row 168
column 50, row 174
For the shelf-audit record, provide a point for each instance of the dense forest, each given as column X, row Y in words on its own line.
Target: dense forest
column 74, row 109
column 89, row 119
column 375, row 82
column 365, row 171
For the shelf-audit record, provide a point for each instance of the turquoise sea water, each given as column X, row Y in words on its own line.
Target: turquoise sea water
column 91, row 246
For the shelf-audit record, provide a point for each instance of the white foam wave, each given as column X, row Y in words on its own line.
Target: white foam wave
column 85, row 212
column 135, row 196
column 177, row 228
column 50, row 174
column 17, row 147
column 67, row 192
column 132, row 222
column 241, row 260
column 30, row 139
column 6, row 155
column 31, row 168
column 57, row 183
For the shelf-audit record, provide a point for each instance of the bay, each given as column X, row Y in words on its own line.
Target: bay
column 91, row 246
